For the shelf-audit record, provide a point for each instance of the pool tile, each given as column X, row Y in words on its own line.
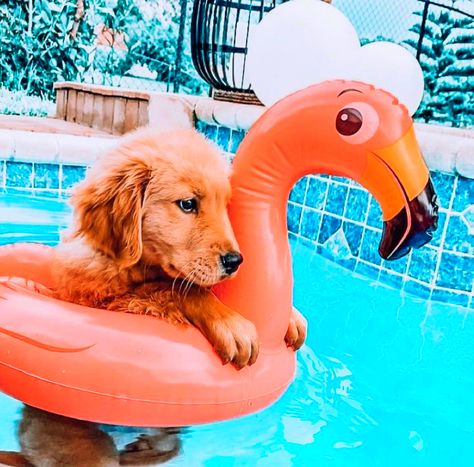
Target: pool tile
column 394, row 280
column 336, row 198
column 444, row 185
column 417, row 289
column 329, row 226
column 337, row 246
column 46, row 176
column 236, row 138
column 456, row 272
column 436, row 240
column 316, row 192
column 2, row 174
column 423, row 264
column 397, row 265
column 353, row 233
column 468, row 216
column 71, row 175
column 357, row 204
column 17, row 191
column 299, row 190
column 367, row 270
column 293, row 217
column 328, row 251
column 200, row 126
column 19, row 174
column 369, row 250
column 210, row 131
column 343, row 180
column 42, row 193
column 310, row 221
column 374, row 219
column 464, row 194
column 453, row 297
column 458, row 238
column 223, row 137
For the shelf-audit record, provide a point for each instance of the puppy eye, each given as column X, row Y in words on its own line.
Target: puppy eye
column 187, row 205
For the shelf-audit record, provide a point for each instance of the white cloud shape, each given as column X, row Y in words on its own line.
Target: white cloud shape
column 304, row 42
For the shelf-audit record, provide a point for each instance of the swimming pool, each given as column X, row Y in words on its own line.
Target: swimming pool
column 385, row 379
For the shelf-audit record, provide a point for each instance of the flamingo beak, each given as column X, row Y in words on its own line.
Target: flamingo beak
column 412, row 227
column 406, row 196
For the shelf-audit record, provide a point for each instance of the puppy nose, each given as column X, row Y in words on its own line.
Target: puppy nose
column 231, row 261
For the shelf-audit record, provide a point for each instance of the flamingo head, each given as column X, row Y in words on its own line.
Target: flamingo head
column 366, row 134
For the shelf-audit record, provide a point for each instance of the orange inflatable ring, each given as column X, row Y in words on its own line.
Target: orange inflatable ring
column 136, row 370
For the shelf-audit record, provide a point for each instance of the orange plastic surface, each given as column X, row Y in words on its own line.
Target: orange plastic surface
column 137, row 370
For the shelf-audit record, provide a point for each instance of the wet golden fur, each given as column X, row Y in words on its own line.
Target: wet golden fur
column 132, row 249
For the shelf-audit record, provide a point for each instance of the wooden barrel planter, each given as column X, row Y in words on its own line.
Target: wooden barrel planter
column 113, row 110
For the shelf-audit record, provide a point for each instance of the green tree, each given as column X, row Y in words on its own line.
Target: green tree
column 150, row 31
column 42, row 41
column 447, row 61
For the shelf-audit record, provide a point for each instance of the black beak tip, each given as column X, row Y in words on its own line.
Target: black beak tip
column 412, row 227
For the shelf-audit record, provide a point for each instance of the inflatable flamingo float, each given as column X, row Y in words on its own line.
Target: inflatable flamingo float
column 136, row 370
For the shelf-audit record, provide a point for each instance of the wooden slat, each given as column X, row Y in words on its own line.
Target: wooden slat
column 80, row 107
column 104, row 90
column 131, row 115
column 119, row 116
column 71, row 105
column 98, row 112
column 61, row 102
column 88, row 109
column 108, row 117
column 143, row 113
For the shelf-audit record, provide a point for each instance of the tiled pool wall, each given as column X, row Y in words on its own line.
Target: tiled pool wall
column 336, row 215
column 45, row 179
column 344, row 223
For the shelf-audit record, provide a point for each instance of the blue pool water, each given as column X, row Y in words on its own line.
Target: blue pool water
column 384, row 379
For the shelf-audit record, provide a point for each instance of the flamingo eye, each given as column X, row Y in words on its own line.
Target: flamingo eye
column 348, row 121
column 357, row 122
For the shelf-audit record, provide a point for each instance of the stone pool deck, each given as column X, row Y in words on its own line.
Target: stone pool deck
column 47, row 125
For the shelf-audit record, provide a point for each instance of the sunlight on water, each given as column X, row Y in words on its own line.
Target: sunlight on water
column 384, row 380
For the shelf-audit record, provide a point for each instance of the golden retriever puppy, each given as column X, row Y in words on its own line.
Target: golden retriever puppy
column 151, row 235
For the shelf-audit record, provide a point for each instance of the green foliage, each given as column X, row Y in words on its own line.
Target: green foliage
column 37, row 48
column 150, row 33
column 447, row 60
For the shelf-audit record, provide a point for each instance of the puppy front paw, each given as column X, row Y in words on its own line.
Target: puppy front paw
column 234, row 339
column 296, row 333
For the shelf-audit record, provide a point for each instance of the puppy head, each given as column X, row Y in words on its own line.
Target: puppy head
column 161, row 199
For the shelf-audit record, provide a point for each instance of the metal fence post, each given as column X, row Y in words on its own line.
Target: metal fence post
column 168, row 79
column 180, row 45
column 422, row 29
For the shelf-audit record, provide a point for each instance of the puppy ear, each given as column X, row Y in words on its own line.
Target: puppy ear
column 108, row 207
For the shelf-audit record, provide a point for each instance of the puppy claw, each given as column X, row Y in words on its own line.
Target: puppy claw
column 235, row 340
column 297, row 329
